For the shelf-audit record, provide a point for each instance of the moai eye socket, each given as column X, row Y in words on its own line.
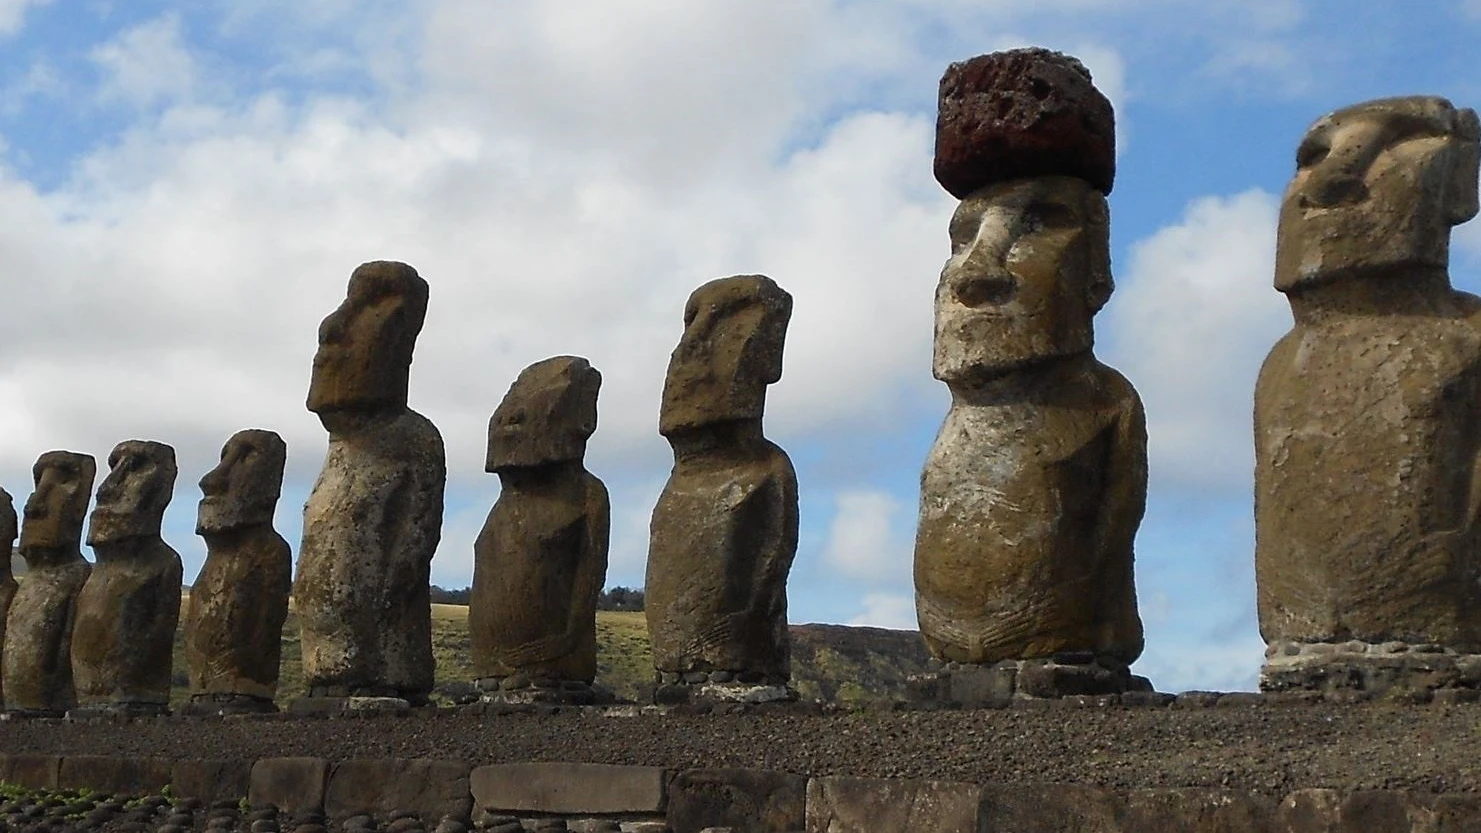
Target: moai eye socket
column 1312, row 151
column 1049, row 215
column 985, row 291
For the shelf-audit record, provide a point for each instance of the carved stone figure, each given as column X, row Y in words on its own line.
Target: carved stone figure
column 234, row 622
column 1367, row 448
column 374, row 517
column 9, row 528
column 128, row 610
column 541, row 559
column 1033, row 491
column 724, row 531
column 38, row 628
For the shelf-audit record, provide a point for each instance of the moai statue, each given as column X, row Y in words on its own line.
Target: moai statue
column 38, row 628
column 1033, row 491
column 374, row 518
column 128, row 610
column 724, row 531
column 9, row 528
column 541, row 559
column 234, row 622
column 1367, row 448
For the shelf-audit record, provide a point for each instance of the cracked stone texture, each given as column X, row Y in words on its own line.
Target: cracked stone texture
column 9, row 529
column 1367, row 484
column 541, row 559
column 1019, row 114
column 724, row 532
column 238, row 603
column 374, row 518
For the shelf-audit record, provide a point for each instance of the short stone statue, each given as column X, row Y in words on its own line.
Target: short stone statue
column 38, row 628
column 724, row 532
column 1367, row 448
column 541, row 559
column 1033, row 490
column 234, row 622
column 374, row 518
column 9, row 528
column 129, row 608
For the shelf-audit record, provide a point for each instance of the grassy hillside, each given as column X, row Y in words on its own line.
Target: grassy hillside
column 829, row 662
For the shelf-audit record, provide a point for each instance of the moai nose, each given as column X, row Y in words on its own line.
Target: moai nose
column 1334, row 190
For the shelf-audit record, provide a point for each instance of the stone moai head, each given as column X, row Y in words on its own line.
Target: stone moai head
column 365, row 346
column 1377, row 188
column 547, row 416
column 58, row 505
column 244, row 487
column 9, row 528
column 133, row 497
column 1027, row 143
column 734, row 331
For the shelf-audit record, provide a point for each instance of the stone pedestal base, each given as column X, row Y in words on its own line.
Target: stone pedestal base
column 213, row 705
column 520, row 689
column 997, row 684
column 320, row 705
column 1386, row 669
column 94, row 711
column 28, row 714
column 673, row 688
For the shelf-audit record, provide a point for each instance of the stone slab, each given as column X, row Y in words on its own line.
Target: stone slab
column 1054, row 808
column 382, row 786
column 35, row 772
column 293, row 785
column 1205, row 810
column 117, row 776
column 876, row 805
column 209, row 780
column 745, row 799
column 570, row 789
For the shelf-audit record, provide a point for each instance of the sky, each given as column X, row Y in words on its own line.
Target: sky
column 185, row 189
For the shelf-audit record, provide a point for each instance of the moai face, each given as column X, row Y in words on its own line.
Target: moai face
column 58, row 505
column 1029, row 268
column 547, row 416
column 244, row 487
column 1377, row 186
column 133, row 497
column 734, row 330
column 365, row 346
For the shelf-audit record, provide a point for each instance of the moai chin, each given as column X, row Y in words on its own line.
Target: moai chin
column 541, row 559
column 1367, row 495
column 128, row 610
column 234, row 622
column 374, row 518
column 724, row 531
column 37, row 657
column 1033, row 491
column 9, row 529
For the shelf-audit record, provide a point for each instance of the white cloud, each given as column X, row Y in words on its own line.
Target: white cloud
column 887, row 610
column 13, row 14
column 1191, row 322
column 865, row 540
column 146, row 63
column 1199, row 663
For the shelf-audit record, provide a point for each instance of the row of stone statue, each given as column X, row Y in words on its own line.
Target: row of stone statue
column 1367, row 430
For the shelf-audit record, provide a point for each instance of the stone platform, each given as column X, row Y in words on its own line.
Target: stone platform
column 1386, row 670
column 997, row 684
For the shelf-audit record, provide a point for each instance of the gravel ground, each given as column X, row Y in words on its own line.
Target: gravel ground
column 1269, row 749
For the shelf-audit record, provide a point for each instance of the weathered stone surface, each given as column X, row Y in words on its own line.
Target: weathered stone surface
column 238, row 603
column 431, row 789
column 293, row 785
column 38, row 628
column 1366, row 498
column 1197, row 809
column 1369, row 811
column 745, row 799
column 116, row 775
column 9, row 529
column 541, row 560
column 1052, row 808
column 129, row 608
column 1034, row 488
column 34, row 772
column 374, row 517
column 209, row 781
column 570, row 789
column 724, row 532
column 1018, row 114
column 872, row 805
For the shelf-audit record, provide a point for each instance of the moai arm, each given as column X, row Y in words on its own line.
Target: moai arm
column 1121, row 513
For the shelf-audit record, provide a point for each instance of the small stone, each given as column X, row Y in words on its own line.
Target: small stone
column 451, row 825
column 265, row 826
column 721, row 676
column 1355, row 646
column 262, row 813
column 1393, row 647
column 170, row 828
column 405, row 825
column 311, row 827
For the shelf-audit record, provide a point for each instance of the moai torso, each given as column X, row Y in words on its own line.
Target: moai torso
column 1036, row 483
column 129, row 608
column 374, row 518
column 9, row 528
column 724, row 532
column 541, row 559
column 1368, row 413
column 238, row 603
column 37, row 657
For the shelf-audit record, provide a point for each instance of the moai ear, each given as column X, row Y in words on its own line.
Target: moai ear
column 1461, row 196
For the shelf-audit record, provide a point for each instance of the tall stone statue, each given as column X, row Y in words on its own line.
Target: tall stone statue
column 541, row 559
column 234, row 623
column 9, row 528
column 1036, row 483
column 724, row 531
column 1367, row 447
column 38, row 628
column 128, row 610
column 374, row 518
